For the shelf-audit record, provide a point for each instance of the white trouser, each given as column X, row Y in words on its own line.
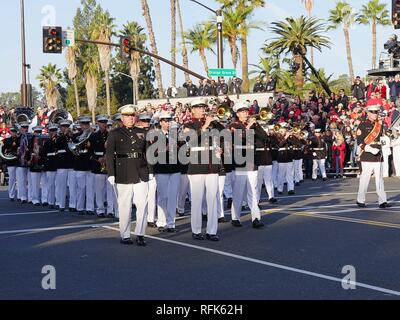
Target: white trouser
column 201, row 184
column 152, row 200
column 51, row 187
column 245, row 185
column 128, row 194
column 275, row 173
column 396, row 160
column 61, row 187
column 318, row 163
column 184, row 189
column 43, row 187
column 100, row 192
column 167, row 188
column 112, row 201
column 72, row 188
column 22, row 177
column 285, row 175
column 90, row 191
column 29, row 186
column 35, row 186
column 12, row 182
column 385, row 166
column 298, row 170
column 265, row 175
column 229, row 179
column 82, row 178
column 220, row 196
column 367, row 169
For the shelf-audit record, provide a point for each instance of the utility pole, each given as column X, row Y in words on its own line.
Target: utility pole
column 24, row 87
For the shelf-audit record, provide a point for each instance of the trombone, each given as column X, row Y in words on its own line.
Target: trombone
column 264, row 115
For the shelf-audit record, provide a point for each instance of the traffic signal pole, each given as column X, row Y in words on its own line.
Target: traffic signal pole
column 194, row 74
column 24, row 87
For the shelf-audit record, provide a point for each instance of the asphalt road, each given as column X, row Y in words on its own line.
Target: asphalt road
column 300, row 254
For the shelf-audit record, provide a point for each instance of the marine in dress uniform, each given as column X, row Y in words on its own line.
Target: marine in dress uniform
column 64, row 179
column 98, row 176
column 318, row 149
column 369, row 133
column 245, row 182
column 127, row 168
column 49, row 156
column 22, row 169
column 10, row 146
column 285, row 160
column 203, row 177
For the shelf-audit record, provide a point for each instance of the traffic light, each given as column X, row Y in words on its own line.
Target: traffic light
column 52, row 40
column 396, row 13
column 126, row 49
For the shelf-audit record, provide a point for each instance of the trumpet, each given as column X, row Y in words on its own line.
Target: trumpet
column 223, row 112
column 264, row 115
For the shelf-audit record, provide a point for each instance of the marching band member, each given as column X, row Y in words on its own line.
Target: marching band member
column 35, row 168
column 245, row 174
column 10, row 146
column 285, row 160
column 127, row 169
column 203, row 177
column 98, row 176
column 22, row 169
column 49, row 155
column 369, row 133
column 318, row 148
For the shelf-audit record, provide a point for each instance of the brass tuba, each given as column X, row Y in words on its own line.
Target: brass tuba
column 83, row 138
column 6, row 156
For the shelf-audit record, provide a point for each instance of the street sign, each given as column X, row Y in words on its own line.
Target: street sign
column 68, row 38
column 222, row 72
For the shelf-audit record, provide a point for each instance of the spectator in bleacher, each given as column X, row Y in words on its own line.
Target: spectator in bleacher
column 204, row 88
column 235, row 87
column 358, row 89
column 191, row 88
column 258, row 86
column 270, row 85
column 222, row 87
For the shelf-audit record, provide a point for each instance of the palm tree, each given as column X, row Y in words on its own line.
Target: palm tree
column 246, row 8
column 185, row 59
column 103, row 27
column 344, row 15
column 374, row 13
column 71, row 55
column 309, row 5
column 91, row 71
column 138, row 40
column 200, row 39
column 173, row 42
column 153, row 44
column 294, row 36
column 49, row 79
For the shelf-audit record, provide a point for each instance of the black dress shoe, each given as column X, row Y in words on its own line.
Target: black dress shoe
column 101, row 215
column 110, row 215
column 222, row 220
column 62, row 209
column 140, row 241
column 236, row 223
column 324, row 179
column 81, row 213
column 45, row 204
column 90, row 213
column 126, row 241
column 273, row 200
column 384, row 205
column 151, row 225
column 72, row 210
column 51, row 206
column 297, row 184
column 301, row 181
column 37, row 204
column 257, row 224
column 24, row 202
column 181, row 214
column 197, row 236
column 30, row 202
column 245, row 208
column 212, row 237
column 291, row 192
column 280, row 192
column 229, row 204
column 171, row 230
column 361, row 205
column 161, row 229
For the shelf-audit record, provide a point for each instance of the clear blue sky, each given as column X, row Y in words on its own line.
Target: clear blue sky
column 333, row 60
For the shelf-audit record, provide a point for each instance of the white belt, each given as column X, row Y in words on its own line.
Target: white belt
column 99, row 153
column 318, row 149
column 296, row 149
column 61, row 151
column 194, row 149
column 244, row 147
column 51, row 154
column 83, row 151
column 263, row 149
column 283, row 149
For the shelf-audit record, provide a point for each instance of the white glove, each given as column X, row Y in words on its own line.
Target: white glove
column 151, row 176
column 372, row 150
column 111, row 180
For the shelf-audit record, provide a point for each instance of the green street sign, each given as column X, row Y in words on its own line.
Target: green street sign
column 222, row 72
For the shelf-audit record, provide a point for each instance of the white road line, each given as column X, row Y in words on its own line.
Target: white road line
column 82, row 226
column 270, row 264
column 25, row 213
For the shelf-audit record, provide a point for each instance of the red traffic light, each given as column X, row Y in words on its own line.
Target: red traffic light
column 127, row 42
column 53, row 32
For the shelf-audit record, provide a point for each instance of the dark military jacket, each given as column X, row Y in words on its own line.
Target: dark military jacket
column 10, row 146
column 82, row 159
column 48, row 154
column 363, row 131
column 125, row 155
column 285, row 152
column 64, row 157
column 263, row 155
column 170, row 163
column 97, row 150
column 318, row 148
